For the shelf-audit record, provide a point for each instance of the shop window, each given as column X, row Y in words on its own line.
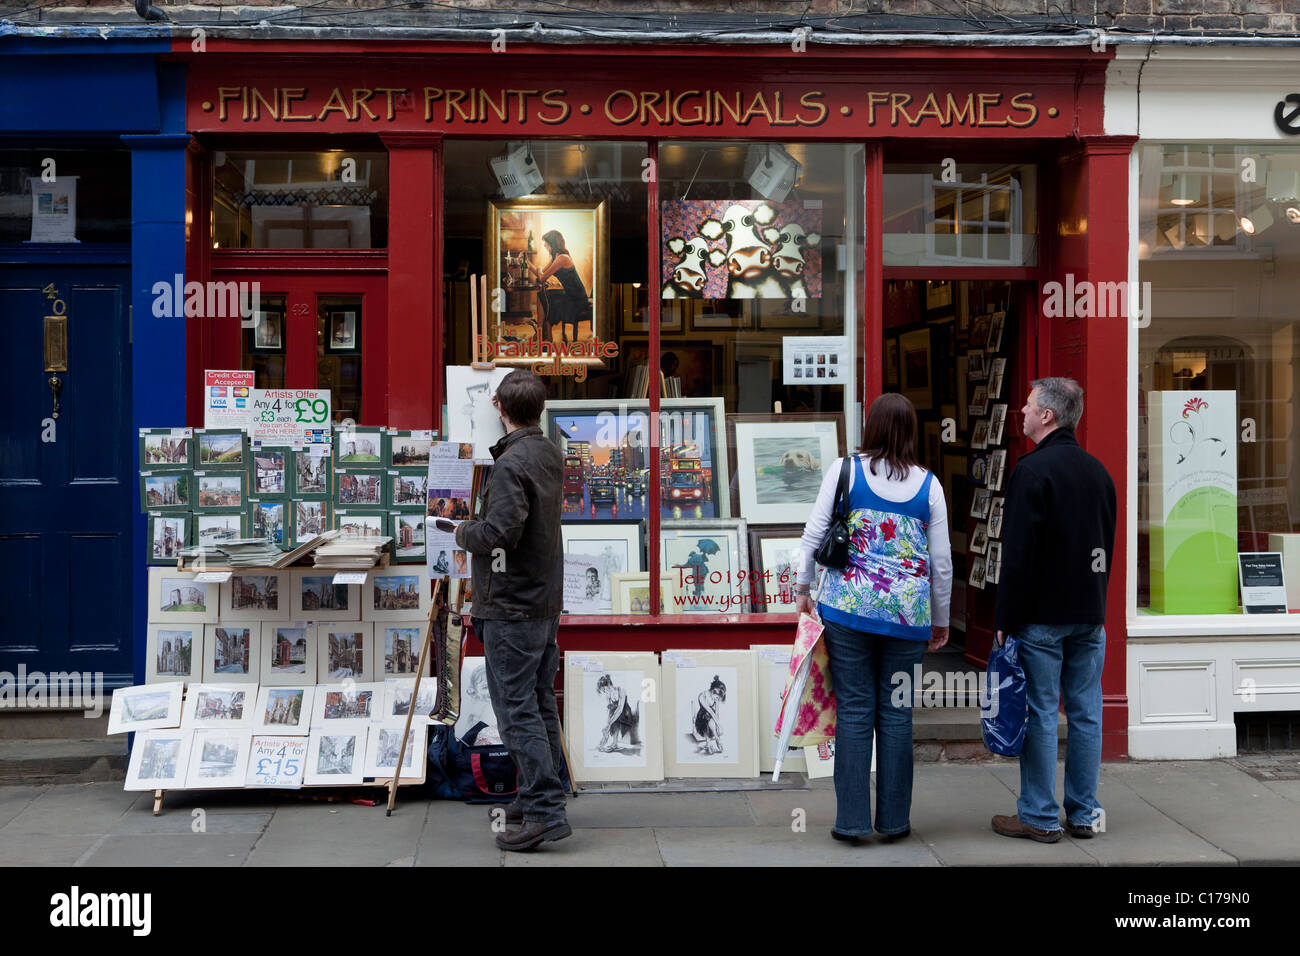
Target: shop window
column 338, row 352
column 264, row 343
column 65, row 195
column 1219, row 366
column 965, row 214
column 326, row 199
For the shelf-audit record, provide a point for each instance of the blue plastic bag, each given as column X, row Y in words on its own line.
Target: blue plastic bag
column 1004, row 710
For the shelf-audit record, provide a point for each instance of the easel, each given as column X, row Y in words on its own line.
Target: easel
column 478, row 316
column 415, row 694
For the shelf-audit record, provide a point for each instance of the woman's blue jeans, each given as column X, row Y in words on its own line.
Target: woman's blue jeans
column 868, row 698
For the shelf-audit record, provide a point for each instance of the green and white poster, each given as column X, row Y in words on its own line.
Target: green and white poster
column 1193, row 481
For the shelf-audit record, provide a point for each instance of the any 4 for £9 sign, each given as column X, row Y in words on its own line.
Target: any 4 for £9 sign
column 288, row 414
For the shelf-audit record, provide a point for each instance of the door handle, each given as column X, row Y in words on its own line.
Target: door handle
column 56, row 386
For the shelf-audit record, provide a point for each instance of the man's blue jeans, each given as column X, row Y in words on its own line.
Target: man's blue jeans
column 863, row 666
column 1061, row 661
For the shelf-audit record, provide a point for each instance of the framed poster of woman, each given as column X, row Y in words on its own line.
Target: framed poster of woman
column 549, row 257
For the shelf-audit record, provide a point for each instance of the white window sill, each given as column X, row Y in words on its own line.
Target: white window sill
column 1147, row 625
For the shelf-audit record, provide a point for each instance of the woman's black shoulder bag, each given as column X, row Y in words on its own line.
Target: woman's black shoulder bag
column 833, row 552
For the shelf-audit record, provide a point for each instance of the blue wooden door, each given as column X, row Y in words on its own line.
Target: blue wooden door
column 66, row 493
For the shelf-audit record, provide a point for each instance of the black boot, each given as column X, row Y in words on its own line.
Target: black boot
column 532, row 833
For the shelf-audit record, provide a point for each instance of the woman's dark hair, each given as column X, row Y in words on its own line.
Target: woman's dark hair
column 889, row 435
column 522, row 396
column 720, row 687
column 605, row 681
column 556, row 241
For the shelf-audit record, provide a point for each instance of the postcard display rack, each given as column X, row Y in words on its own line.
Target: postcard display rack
column 988, row 406
column 263, row 631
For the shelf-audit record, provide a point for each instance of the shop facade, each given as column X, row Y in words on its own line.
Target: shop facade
column 92, row 206
column 906, row 197
column 1215, row 205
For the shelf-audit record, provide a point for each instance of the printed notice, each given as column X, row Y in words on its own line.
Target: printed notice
column 815, row 360
column 285, row 415
column 277, row 762
column 227, row 395
column 1263, row 587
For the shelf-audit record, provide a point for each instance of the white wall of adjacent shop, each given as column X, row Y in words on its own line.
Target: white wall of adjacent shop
column 1188, row 676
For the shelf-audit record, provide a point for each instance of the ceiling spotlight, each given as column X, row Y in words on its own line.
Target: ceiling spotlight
column 1282, row 185
column 517, row 171
column 1259, row 220
column 1293, row 214
column 1186, row 190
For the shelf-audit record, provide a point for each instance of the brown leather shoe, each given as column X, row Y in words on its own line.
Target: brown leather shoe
column 531, row 834
column 1015, row 827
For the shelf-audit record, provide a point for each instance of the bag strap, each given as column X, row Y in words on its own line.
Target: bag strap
column 472, row 734
column 842, row 488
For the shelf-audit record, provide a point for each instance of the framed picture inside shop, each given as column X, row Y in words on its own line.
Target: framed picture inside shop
column 916, row 364
column 779, row 462
column 549, row 256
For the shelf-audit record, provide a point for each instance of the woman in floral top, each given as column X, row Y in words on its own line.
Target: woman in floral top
column 881, row 612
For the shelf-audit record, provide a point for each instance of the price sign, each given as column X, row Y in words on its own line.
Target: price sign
column 212, row 577
column 350, row 577
column 277, row 762
column 285, row 415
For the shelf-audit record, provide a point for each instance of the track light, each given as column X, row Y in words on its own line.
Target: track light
column 1259, row 220
column 1186, row 190
column 771, row 171
column 517, row 172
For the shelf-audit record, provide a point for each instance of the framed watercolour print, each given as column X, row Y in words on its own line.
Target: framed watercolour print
column 163, row 449
column 692, row 457
column 346, row 705
column 630, row 593
column 311, row 474
column 310, row 518
column 407, row 491
column 611, row 706
column 619, row 546
column 284, row 710
column 218, row 760
column 407, row 531
column 399, row 693
column 706, row 565
column 168, row 534
column 269, row 518
column 345, row 652
column 336, row 757
column 549, row 256
column 232, row 653
column 358, row 447
column 175, row 598
column 211, row 529
column 361, row 522
column 220, row 492
column 342, row 331
column 382, row 746
column 288, row 653
column 167, row 491
column 256, row 597
column 145, row 707
column 395, row 594
column 268, row 474
column 219, row 448
column 408, row 451
column 173, row 652
column 360, row 488
column 774, row 554
column 773, row 666
column 779, row 462
column 317, row 598
column 159, row 760
column 399, row 648
column 710, row 714
column 224, row 706
column 276, row 761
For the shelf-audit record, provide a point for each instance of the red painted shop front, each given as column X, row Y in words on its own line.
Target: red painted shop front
column 959, row 181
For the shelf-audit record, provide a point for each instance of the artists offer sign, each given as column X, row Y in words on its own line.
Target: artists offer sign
column 285, row 415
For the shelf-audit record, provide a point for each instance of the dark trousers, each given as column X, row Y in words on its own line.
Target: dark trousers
column 522, row 659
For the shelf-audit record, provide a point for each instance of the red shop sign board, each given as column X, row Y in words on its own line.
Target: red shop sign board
column 786, row 99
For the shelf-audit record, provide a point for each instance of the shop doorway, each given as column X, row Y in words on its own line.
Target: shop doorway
column 960, row 350
column 67, row 481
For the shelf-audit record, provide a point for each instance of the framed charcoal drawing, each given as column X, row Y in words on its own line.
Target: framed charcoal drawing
column 710, row 714
column 612, row 716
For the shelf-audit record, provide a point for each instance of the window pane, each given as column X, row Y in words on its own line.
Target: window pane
column 992, row 208
column 88, row 201
column 264, row 343
column 330, row 199
column 339, row 329
column 1217, row 369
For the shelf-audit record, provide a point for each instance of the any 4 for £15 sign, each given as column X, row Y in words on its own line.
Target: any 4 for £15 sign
column 289, row 414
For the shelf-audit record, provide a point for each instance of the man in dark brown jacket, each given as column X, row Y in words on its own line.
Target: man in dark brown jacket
column 518, row 591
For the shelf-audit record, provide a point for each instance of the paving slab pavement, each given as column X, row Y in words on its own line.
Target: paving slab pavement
column 606, row 846
column 780, row 846
column 189, row 849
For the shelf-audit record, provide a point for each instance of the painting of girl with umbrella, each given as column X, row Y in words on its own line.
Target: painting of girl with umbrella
column 703, row 562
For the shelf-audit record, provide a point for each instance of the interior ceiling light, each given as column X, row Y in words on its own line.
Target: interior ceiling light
column 1293, row 214
column 516, row 171
column 1259, row 220
column 771, row 171
column 1283, row 185
column 1186, row 190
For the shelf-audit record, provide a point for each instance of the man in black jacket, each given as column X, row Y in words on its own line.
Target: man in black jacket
column 518, row 591
column 1058, row 535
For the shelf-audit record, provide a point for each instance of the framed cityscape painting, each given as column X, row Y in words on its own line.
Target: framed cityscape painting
column 173, row 652
column 145, row 707
column 159, row 760
column 288, row 653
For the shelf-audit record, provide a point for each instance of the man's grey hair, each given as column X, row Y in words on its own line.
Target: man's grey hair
column 1064, row 396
